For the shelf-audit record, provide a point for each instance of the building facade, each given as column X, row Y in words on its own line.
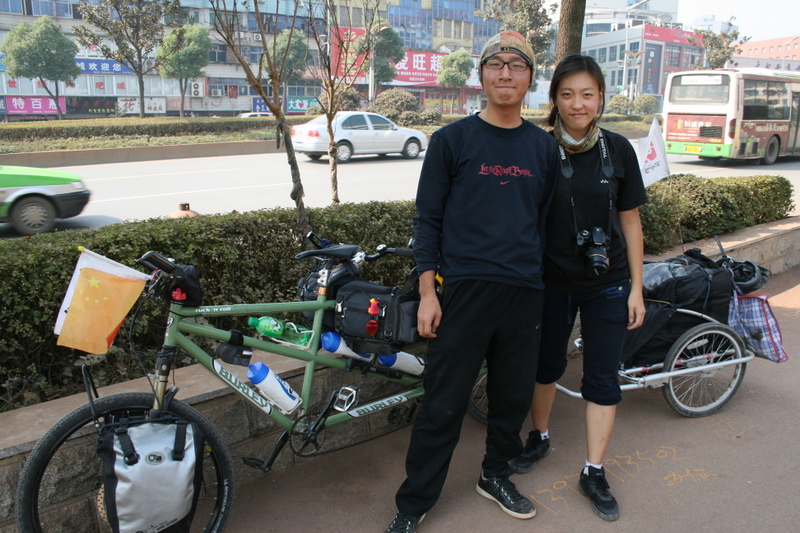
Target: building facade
column 430, row 29
column 637, row 60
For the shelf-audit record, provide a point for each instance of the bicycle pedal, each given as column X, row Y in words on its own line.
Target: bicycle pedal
column 400, row 414
column 346, row 398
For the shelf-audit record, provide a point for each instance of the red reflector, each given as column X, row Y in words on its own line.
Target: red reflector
column 732, row 128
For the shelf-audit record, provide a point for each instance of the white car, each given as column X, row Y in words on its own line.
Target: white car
column 260, row 114
column 355, row 133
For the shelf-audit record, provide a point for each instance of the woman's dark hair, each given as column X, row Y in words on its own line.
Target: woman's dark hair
column 572, row 64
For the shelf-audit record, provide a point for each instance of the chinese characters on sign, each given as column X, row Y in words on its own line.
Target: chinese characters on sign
column 418, row 68
column 295, row 105
column 153, row 106
column 91, row 104
column 102, row 66
column 34, row 105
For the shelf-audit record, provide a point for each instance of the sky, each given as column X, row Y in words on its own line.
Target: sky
column 758, row 19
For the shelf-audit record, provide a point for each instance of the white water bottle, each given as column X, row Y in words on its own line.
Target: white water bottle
column 334, row 343
column 273, row 388
column 404, row 362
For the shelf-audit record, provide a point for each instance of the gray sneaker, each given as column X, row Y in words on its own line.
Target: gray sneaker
column 505, row 493
column 404, row 523
column 536, row 448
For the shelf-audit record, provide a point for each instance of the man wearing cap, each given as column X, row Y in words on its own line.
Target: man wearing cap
column 483, row 195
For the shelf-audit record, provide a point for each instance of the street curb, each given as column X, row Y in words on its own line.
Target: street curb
column 100, row 156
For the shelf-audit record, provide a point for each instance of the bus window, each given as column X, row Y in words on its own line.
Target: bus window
column 700, row 89
column 778, row 100
column 755, row 100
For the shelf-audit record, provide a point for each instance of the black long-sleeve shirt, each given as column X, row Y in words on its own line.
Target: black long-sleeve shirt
column 482, row 202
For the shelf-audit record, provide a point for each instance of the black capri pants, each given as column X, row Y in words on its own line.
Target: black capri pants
column 604, row 322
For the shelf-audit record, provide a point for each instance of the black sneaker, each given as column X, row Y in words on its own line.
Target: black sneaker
column 536, row 448
column 595, row 487
column 404, row 523
column 503, row 491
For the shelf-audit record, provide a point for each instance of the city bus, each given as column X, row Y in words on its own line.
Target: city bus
column 746, row 113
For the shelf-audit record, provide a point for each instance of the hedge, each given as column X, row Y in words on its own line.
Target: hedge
column 686, row 208
column 241, row 257
column 248, row 257
column 126, row 127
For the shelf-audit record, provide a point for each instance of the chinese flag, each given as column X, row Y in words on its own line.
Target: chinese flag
column 99, row 297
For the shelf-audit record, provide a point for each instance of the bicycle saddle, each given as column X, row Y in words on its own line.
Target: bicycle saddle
column 341, row 251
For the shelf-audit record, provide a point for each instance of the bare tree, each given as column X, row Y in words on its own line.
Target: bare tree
column 271, row 69
column 344, row 52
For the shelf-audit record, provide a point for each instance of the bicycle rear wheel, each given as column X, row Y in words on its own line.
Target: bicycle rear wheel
column 60, row 487
column 704, row 391
column 478, row 406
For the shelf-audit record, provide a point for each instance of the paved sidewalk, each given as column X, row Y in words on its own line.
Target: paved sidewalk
column 734, row 471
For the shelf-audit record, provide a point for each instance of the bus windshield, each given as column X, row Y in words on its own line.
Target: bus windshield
column 700, row 89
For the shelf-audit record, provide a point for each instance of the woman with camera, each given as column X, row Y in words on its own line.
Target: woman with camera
column 593, row 264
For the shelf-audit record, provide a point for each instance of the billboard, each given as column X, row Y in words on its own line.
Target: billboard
column 34, row 105
column 295, row 105
column 652, row 69
column 668, row 35
column 91, row 104
column 153, row 106
column 419, row 68
column 101, row 66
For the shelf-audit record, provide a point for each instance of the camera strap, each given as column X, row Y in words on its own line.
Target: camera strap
column 608, row 171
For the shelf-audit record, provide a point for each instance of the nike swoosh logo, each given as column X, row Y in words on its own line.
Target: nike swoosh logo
column 504, row 182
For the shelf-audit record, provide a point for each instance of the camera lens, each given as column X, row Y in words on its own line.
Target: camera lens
column 597, row 261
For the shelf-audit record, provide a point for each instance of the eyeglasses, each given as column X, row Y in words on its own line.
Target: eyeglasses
column 498, row 64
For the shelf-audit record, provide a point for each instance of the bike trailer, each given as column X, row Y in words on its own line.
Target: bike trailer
column 670, row 286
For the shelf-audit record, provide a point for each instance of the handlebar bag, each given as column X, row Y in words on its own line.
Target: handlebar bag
column 152, row 474
column 396, row 317
column 190, row 284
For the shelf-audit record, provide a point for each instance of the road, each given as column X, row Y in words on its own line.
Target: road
column 141, row 190
column 243, row 183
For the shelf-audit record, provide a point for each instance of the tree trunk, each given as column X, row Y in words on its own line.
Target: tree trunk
column 333, row 163
column 183, row 84
column 297, row 193
column 570, row 28
column 53, row 97
column 140, row 79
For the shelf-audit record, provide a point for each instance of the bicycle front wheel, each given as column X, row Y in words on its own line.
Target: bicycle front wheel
column 60, row 487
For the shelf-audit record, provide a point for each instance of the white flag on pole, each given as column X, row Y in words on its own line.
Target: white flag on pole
column 652, row 156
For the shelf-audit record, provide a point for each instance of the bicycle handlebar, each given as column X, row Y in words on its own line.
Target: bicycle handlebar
column 156, row 261
column 385, row 250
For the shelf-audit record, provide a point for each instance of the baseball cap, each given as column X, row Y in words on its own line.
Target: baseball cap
column 508, row 41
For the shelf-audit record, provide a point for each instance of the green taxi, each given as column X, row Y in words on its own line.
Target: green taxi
column 31, row 199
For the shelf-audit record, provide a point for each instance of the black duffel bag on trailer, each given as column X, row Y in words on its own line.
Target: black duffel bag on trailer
column 396, row 316
column 670, row 285
column 152, row 470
